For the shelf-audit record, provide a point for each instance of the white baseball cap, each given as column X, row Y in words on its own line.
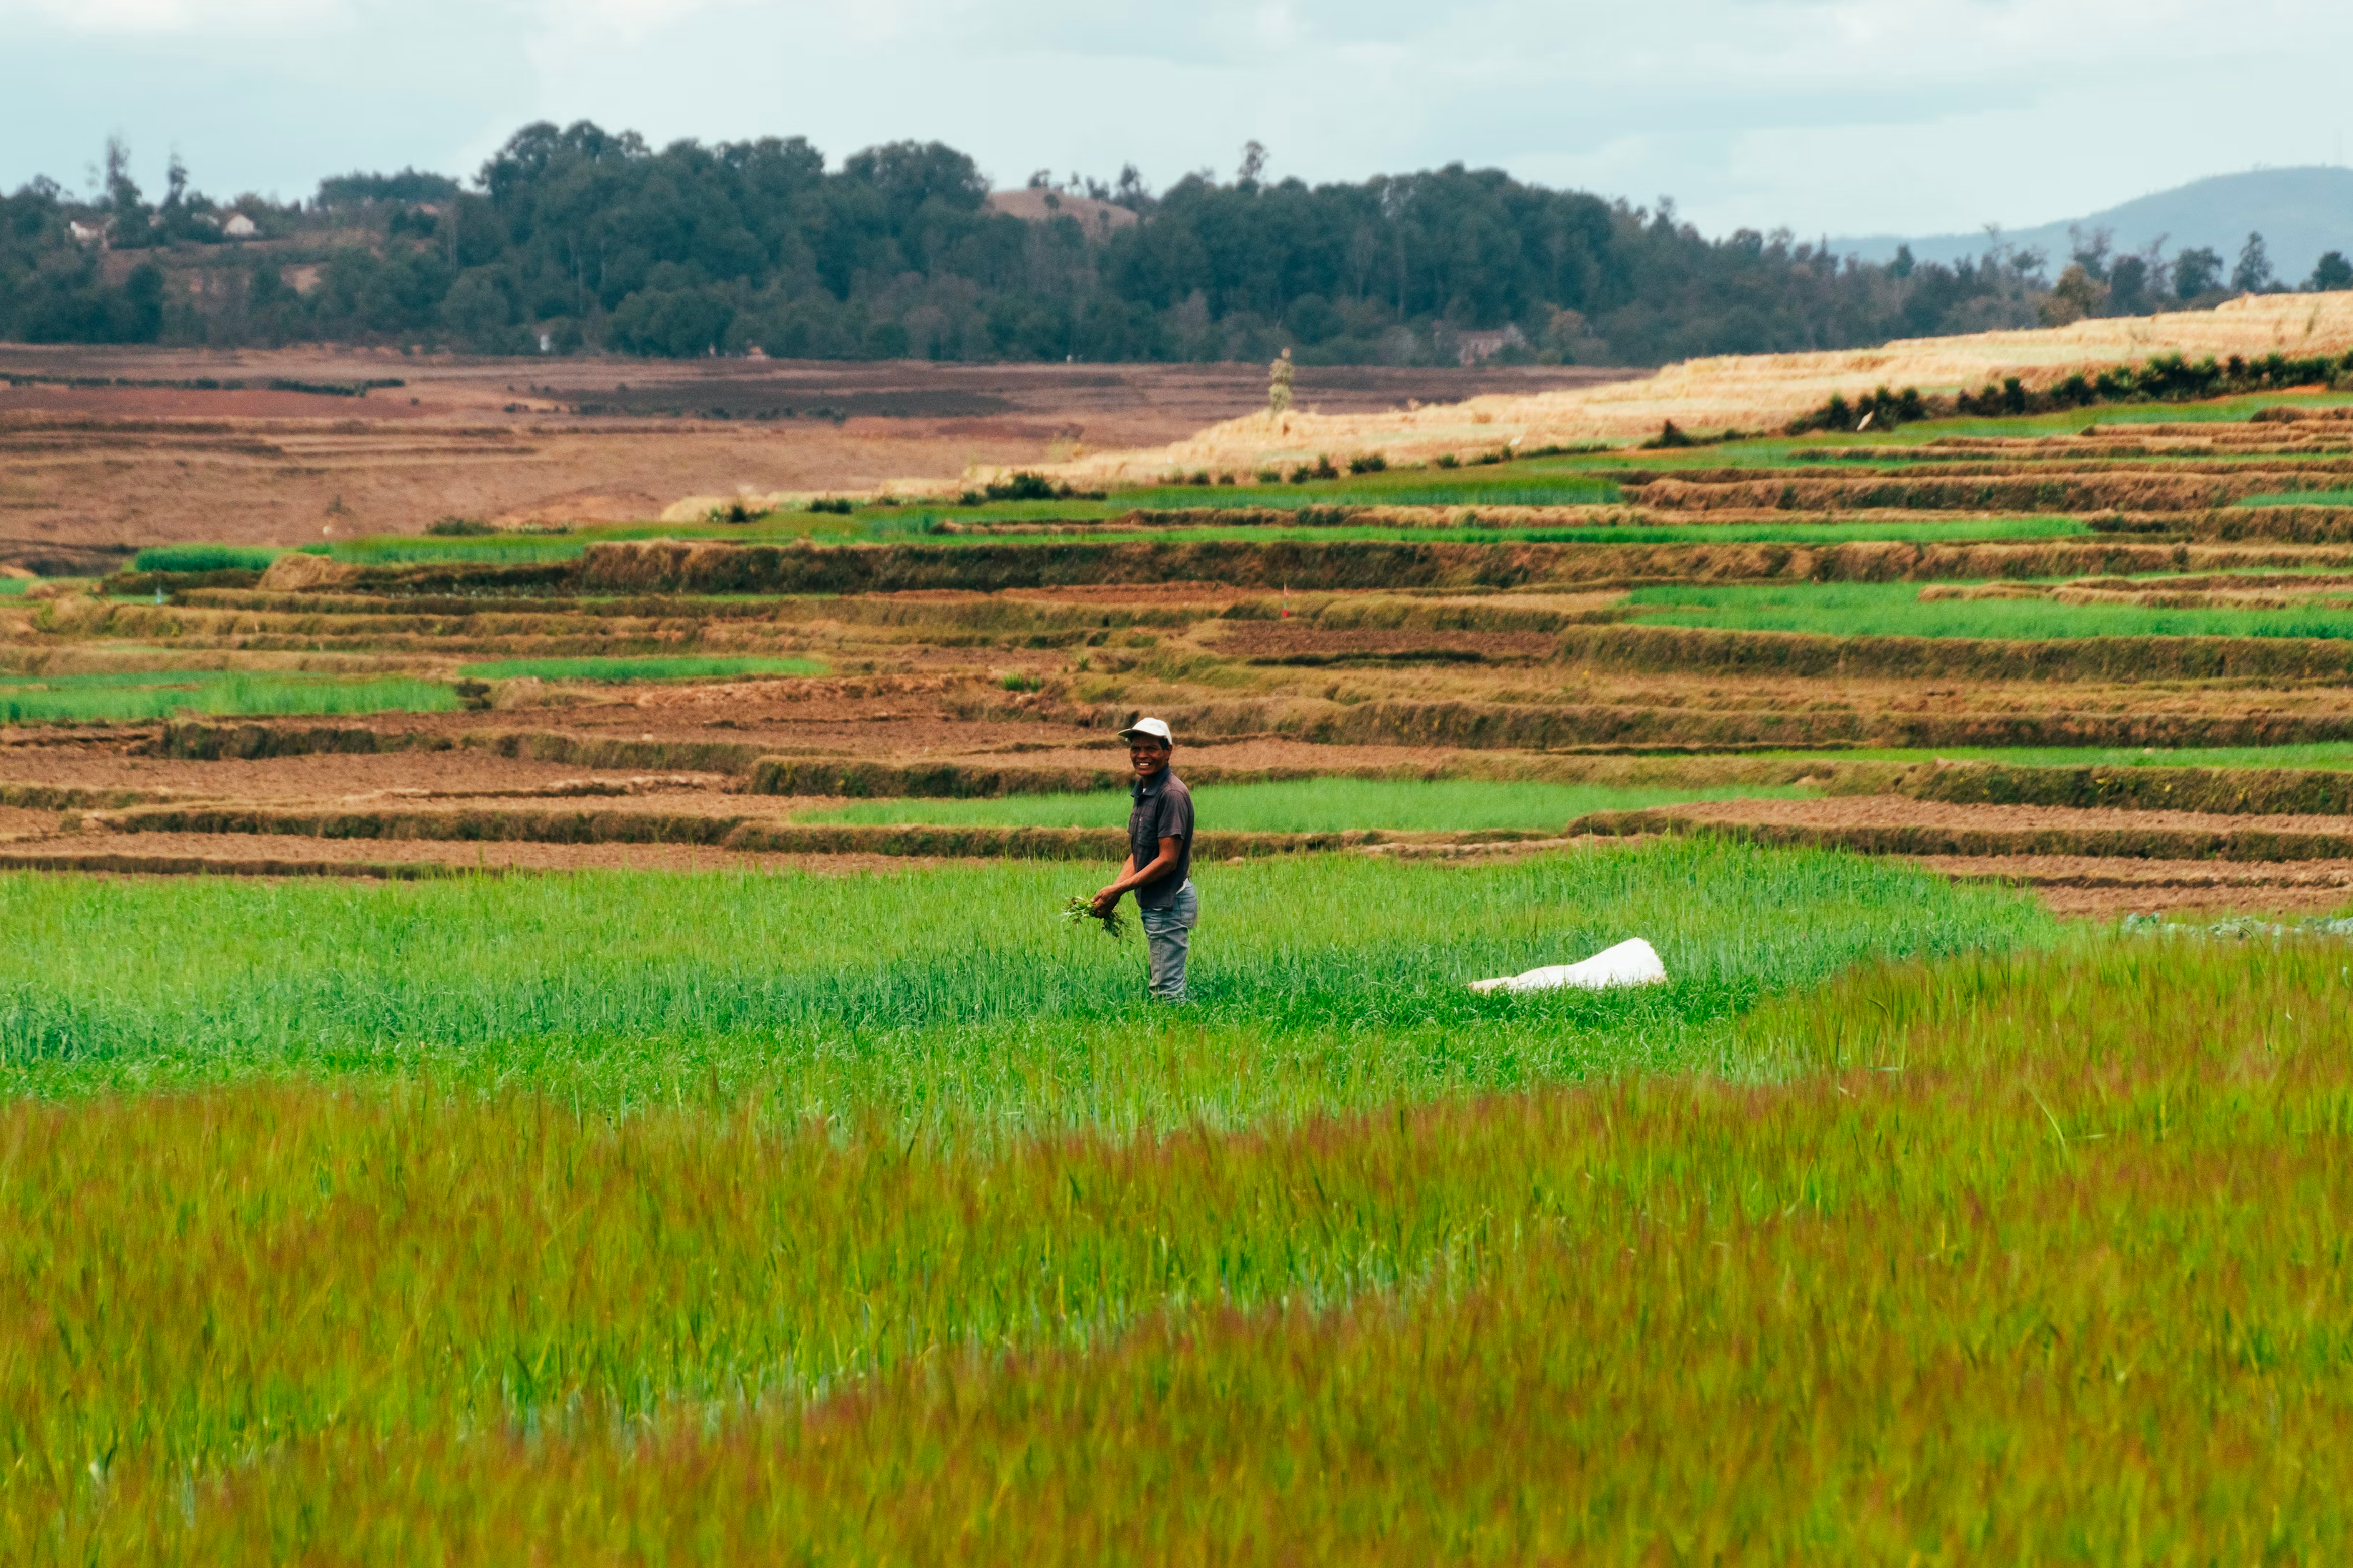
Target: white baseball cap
column 1157, row 729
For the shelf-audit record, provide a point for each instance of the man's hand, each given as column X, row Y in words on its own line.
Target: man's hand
column 1106, row 900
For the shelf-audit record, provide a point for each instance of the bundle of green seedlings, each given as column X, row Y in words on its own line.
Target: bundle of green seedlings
column 1081, row 909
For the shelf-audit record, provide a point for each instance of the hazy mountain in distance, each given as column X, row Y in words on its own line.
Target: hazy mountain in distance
column 2300, row 213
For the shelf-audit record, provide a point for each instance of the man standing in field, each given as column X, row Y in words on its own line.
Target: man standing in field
column 1159, row 856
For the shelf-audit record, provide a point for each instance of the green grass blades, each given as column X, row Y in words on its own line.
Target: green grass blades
column 1896, row 609
column 2302, row 498
column 1314, row 805
column 1404, row 488
column 205, row 558
column 510, row 550
column 620, row 670
column 953, row 997
column 2050, row 1238
column 137, row 697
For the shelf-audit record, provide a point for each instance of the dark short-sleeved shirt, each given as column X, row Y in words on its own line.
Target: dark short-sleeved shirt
column 1163, row 809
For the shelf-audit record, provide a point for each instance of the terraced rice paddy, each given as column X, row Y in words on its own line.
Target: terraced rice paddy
column 2303, row 497
column 2252, row 758
column 1646, row 532
column 143, row 696
column 995, row 523
column 1901, row 610
column 655, row 1112
column 1316, row 805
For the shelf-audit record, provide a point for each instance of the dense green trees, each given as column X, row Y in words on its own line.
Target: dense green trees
column 586, row 237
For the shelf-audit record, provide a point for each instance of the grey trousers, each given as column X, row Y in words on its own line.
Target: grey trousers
column 1168, row 933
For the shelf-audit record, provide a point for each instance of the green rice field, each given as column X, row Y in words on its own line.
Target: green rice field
column 896, row 994
column 621, row 670
column 1521, row 484
column 142, row 696
column 1311, row 805
column 770, row 1218
column 1896, row 609
column 2303, row 497
column 205, row 558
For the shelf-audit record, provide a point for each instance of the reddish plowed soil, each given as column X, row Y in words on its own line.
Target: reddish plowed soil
column 514, row 447
column 2092, row 887
column 467, row 772
column 24, row 822
column 1259, row 642
column 136, row 852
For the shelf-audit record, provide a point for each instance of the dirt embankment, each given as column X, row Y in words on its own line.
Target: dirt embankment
column 2157, row 491
column 1894, row 825
column 664, row 566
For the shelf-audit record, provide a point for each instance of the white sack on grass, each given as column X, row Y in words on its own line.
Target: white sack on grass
column 1631, row 963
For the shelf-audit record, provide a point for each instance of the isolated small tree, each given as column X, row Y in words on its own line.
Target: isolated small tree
column 2129, row 285
column 2195, row 271
column 1130, row 192
column 2076, row 295
column 2252, row 275
column 124, row 205
column 1253, row 162
column 2090, row 251
column 1278, row 384
column 2332, row 272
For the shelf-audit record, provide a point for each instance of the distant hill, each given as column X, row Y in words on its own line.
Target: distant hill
column 2300, row 213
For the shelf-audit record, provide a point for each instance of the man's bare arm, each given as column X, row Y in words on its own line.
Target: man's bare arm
column 1130, row 878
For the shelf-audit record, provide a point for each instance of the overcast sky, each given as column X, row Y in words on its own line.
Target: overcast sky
column 1844, row 116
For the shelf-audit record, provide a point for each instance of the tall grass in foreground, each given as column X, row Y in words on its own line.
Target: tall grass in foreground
column 2043, row 1259
column 140, row 697
column 951, row 997
column 1896, row 609
column 653, row 667
column 1314, row 805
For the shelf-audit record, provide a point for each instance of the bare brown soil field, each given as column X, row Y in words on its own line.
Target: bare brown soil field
column 210, row 854
column 1260, row 642
column 506, row 439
